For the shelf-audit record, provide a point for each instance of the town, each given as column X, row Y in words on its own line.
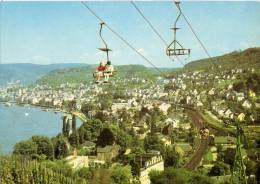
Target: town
column 133, row 130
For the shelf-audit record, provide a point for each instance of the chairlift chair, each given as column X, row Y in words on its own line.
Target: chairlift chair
column 175, row 48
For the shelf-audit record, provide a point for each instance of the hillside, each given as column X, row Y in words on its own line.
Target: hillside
column 249, row 57
column 84, row 74
column 27, row 73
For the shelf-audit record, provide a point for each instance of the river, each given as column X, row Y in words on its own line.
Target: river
column 21, row 122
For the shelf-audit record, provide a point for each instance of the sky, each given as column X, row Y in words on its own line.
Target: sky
column 66, row 32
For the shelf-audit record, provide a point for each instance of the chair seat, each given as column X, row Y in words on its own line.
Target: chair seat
column 105, row 72
column 177, row 52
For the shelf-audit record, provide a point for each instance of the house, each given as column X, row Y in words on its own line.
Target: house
column 164, row 107
column 92, row 113
column 246, row 104
column 240, row 96
column 188, row 100
column 228, row 114
column 221, row 112
column 77, row 162
column 141, row 133
column 174, row 122
column 230, row 86
column 88, row 145
column 150, row 161
column 252, row 94
column 57, row 102
column 183, row 86
column 185, row 126
column 94, row 162
column 241, row 117
column 164, row 139
column 119, row 106
column 212, row 91
column 107, row 153
column 199, row 104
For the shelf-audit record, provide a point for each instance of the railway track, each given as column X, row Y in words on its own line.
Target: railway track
column 199, row 122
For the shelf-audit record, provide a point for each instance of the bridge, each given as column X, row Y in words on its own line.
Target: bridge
column 80, row 115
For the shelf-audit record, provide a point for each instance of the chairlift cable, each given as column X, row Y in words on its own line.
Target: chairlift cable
column 153, row 28
column 121, row 38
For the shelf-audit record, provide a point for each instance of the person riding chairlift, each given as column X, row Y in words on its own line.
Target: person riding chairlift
column 99, row 71
column 108, row 71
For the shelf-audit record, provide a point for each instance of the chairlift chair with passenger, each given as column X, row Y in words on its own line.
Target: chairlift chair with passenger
column 106, row 50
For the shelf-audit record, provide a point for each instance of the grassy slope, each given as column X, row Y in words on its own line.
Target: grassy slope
column 246, row 58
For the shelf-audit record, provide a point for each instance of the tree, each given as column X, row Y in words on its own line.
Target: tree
column 258, row 173
column 74, row 139
column 84, row 172
column 101, row 176
column 64, row 125
column 44, row 146
column 61, row 149
column 135, row 167
column 171, row 175
column 171, row 157
column 229, row 156
column 89, row 131
column 105, row 101
column 250, row 167
column 152, row 142
column 123, row 138
column 154, row 176
column 219, row 169
column 25, row 148
column 84, row 135
column 121, row 175
column 71, row 105
column 106, row 137
column 85, row 108
column 191, row 136
column 74, row 123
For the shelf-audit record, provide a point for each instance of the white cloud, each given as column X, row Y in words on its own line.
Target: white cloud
column 142, row 51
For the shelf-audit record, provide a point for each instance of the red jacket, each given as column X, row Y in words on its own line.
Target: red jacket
column 101, row 68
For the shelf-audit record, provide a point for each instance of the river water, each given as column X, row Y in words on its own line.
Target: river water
column 19, row 123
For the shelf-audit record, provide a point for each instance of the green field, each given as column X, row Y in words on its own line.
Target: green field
column 217, row 124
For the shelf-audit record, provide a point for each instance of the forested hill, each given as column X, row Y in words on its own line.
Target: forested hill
column 27, row 72
column 249, row 57
column 85, row 74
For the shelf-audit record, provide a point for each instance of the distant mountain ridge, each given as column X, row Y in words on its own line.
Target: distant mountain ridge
column 56, row 74
column 27, row 73
column 245, row 58
column 85, row 74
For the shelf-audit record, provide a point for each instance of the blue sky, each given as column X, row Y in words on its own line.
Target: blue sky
column 65, row 32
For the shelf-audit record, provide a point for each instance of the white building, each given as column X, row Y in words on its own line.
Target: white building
column 154, row 163
column 77, row 162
